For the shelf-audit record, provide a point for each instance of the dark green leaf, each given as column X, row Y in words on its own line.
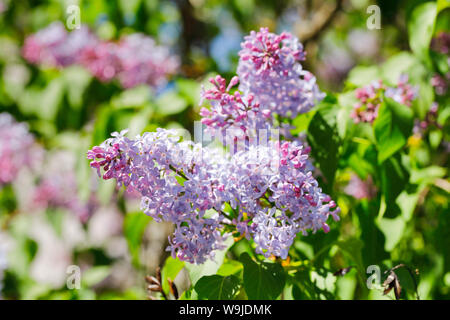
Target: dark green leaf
column 217, row 287
column 392, row 128
column 262, row 280
column 324, row 140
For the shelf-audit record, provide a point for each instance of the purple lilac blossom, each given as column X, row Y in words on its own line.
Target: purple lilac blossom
column 269, row 185
column 102, row 60
column 134, row 60
column 271, row 82
column 232, row 116
column 420, row 126
column 370, row 98
column 152, row 165
column 144, row 62
column 269, row 68
column 273, row 175
column 441, row 44
column 403, row 93
column 54, row 46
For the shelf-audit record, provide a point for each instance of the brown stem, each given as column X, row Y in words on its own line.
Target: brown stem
column 320, row 21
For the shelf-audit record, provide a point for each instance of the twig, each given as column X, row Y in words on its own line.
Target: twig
column 320, row 21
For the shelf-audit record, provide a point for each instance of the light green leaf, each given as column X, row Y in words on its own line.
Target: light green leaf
column 397, row 65
column 420, row 28
column 361, row 75
column 170, row 271
column 190, row 90
column 132, row 98
column 170, row 102
column 134, row 226
column 442, row 5
column 229, row 268
column 94, row 275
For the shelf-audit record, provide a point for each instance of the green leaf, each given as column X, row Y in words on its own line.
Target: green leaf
column 324, row 140
column 425, row 98
column 170, row 271
column 352, row 247
column 217, row 287
column 392, row 128
column 170, row 103
column 397, row 65
column 420, row 28
column 134, row 227
column 361, row 75
column 229, row 268
column 310, row 285
column 373, row 239
column 442, row 4
column 394, row 179
column 262, row 280
column 190, row 90
column 132, row 98
column 94, row 275
column 77, row 79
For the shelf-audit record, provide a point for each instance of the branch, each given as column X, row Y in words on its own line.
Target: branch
column 320, row 21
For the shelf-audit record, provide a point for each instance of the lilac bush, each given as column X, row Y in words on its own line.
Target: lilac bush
column 269, row 68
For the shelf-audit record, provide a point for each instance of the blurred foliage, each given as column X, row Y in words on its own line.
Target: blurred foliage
column 407, row 221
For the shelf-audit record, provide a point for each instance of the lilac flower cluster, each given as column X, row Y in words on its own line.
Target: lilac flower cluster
column 182, row 182
column 269, row 68
column 272, row 84
column 54, row 46
column 268, row 185
column 370, row 98
column 152, row 165
column 17, row 148
column 233, row 115
column 135, row 59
